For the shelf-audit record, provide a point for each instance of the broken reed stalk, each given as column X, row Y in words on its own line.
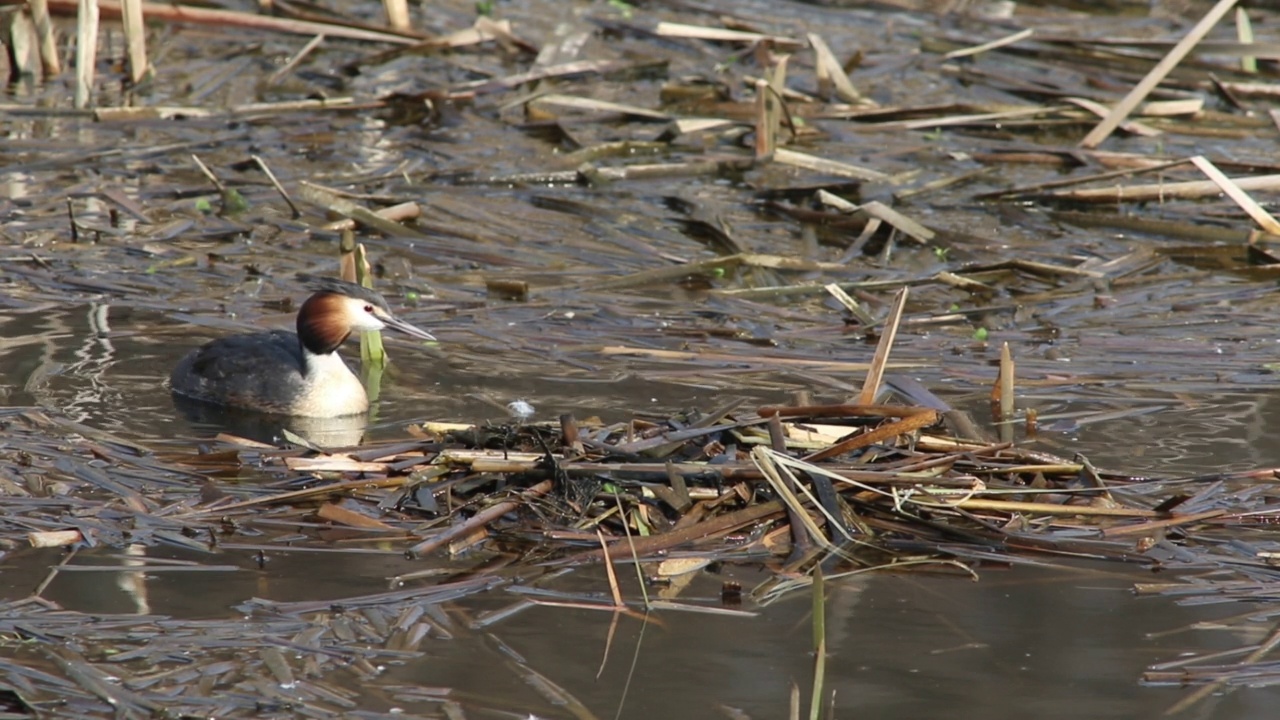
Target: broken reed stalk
column 53, row 572
column 764, row 144
column 1157, row 74
column 395, row 213
column 262, row 165
column 853, row 306
column 707, row 528
column 831, row 77
column 204, row 170
column 53, row 538
column 335, row 203
column 161, row 12
column 1244, row 33
column 371, row 349
column 86, row 50
column 353, row 267
column 777, row 77
column 819, row 642
column 17, row 34
column 1149, row 528
column 479, row 520
column 397, row 14
column 1133, row 127
column 1160, row 192
column 919, row 419
column 1002, row 391
column 49, row 62
column 1237, row 194
column 631, row 545
column 875, row 374
column 610, row 573
column 1002, row 405
column 293, row 61
column 800, row 543
column 828, row 166
column 993, row 45
column 135, row 38
column 785, row 485
column 1125, row 172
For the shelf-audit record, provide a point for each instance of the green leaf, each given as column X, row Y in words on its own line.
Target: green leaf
column 233, row 202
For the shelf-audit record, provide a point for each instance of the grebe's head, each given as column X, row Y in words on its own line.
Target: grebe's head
column 328, row 317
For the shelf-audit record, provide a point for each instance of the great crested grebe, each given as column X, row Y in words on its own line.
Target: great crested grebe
column 298, row 374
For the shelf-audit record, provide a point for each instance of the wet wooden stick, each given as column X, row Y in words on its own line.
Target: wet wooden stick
column 479, row 520
column 881, row 359
column 1157, row 74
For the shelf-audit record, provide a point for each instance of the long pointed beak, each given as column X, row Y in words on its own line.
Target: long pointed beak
column 406, row 328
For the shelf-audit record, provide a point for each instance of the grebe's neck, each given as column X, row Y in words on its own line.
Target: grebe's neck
column 331, row 389
column 321, row 367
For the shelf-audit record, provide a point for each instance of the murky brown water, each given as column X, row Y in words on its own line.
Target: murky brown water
column 1169, row 380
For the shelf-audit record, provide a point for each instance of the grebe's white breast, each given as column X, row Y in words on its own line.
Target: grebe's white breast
column 329, row 388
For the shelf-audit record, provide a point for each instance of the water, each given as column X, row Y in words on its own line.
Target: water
column 89, row 329
column 1065, row 641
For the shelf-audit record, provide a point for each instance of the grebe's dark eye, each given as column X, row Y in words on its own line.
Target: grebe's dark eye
column 368, row 308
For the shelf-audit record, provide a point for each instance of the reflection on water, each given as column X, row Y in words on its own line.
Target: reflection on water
column 332, row 432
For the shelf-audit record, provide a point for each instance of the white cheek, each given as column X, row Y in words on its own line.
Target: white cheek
column 366, row 322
